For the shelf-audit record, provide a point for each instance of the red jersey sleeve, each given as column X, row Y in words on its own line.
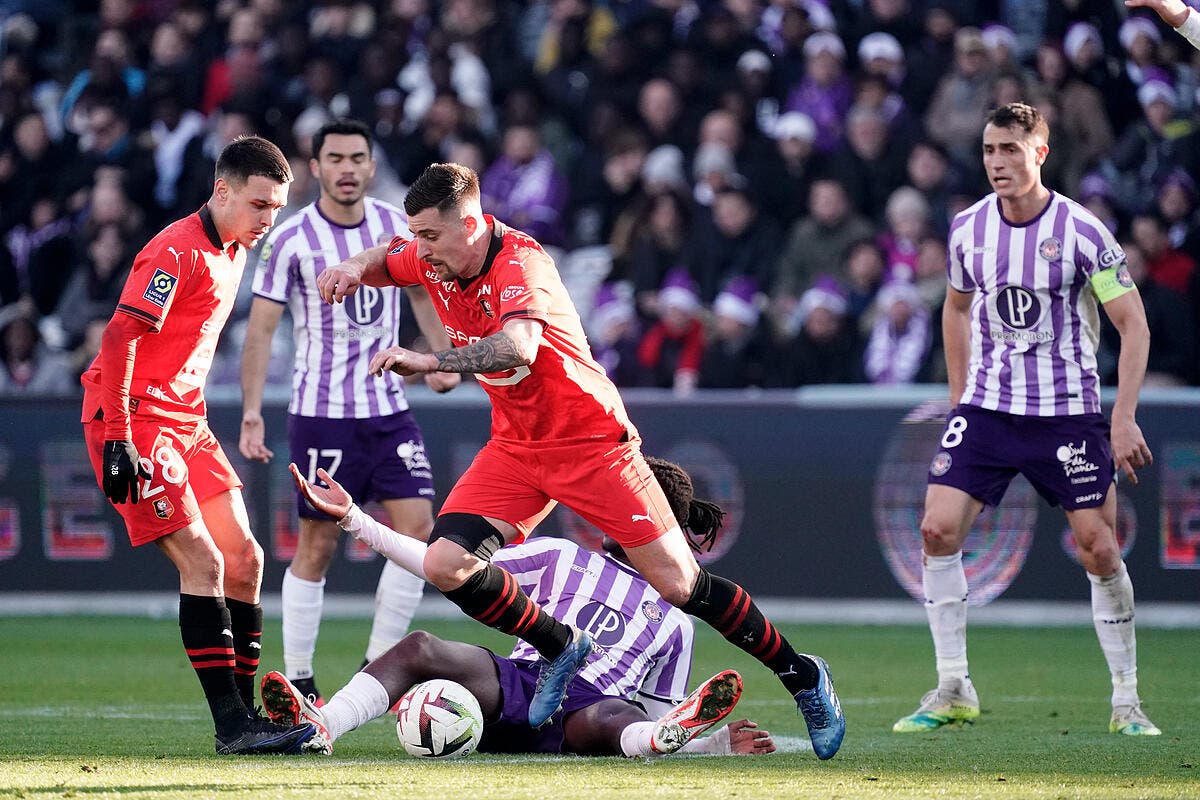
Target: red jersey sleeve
column 153, row 283
column 523, row 281
column 402, row 264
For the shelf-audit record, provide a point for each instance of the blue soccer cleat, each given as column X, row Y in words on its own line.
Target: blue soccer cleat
column 556, row 675
column 822, row 712
column 260, row 736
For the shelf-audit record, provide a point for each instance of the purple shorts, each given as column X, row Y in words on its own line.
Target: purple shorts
column 511, row 732
column 377, row 458
column 1068, row 460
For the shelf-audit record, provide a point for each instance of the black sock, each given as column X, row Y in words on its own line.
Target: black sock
column 728, row 608
column 206, row 630
column 247, row 619
column 493, row 597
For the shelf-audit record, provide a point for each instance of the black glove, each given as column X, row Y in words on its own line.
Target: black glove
column 121, row 471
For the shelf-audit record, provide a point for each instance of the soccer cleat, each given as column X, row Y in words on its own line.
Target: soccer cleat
column 946, row 705
column 285, row 704
column 822, row 712
column 1132, row 721
column 709, row 704
column 260, row 736
column 308, row 688
column 556, row 675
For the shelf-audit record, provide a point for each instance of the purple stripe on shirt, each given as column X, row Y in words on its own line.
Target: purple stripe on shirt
column 1004, row 254
column 1056, row 309
column 979, row 393
column 272, row 270
column 666, row 679
column 1029, row 280
column 314, row 243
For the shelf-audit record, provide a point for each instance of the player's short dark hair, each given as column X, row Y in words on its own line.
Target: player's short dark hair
column 442, row 186
column 340, row 127
column 1020, row 115
column 247, row 156
column 699, row 518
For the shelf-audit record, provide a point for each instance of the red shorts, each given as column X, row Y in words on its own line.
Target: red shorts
column 186, row 466
column 608, row 484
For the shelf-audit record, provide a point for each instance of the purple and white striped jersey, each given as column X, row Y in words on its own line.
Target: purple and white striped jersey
column 334, row 343
column 1034, row 315
column 643, row 643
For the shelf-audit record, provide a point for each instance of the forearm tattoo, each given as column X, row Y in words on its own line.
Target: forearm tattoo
column 495, row 353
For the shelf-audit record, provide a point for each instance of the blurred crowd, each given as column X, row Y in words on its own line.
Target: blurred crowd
column 737, row 192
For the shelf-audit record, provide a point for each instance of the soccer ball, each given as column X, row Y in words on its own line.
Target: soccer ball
column 439, row 719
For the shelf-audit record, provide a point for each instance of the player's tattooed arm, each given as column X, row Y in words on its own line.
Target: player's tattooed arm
column 493, row 354
column 515, row 345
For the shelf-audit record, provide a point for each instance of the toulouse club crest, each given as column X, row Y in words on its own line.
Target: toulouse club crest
column 1051, row 248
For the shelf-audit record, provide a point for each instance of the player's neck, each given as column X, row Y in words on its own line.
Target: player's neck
column 480, row 248
column 350, row 216
column 1022, row 209
column 218, row 221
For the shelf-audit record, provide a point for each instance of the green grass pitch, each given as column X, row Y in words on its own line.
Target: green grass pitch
column 97, row 707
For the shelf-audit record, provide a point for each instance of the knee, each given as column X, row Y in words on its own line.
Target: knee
column 415, row 652
column 938, row 537
column 447, row 565
column 315, row 556
column 204, row 568
column 244, row 567
column 677, row 591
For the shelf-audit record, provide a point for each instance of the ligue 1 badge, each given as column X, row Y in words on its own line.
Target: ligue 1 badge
column 1051, row 248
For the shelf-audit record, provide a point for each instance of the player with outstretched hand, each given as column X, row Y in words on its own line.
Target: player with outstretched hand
column 560, row 433
column 610, row 708
column 1185, row 20
column 144, row 421
column 361, row 430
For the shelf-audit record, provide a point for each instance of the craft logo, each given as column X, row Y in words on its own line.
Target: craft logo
column 1051, row 248
column 159, row 290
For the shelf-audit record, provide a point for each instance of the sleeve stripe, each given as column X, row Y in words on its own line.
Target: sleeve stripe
column 527, row 314
column 134, row 311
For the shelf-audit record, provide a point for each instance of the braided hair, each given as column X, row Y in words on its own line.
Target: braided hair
column 700, row 519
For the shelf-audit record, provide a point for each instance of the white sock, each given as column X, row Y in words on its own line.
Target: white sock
column 355, row 704
column 1112, row 614
column 396, row 601
column 302, row 603
column 635, row 739
column 945, row 585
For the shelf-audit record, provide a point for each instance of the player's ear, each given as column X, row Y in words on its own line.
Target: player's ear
column 314, row 168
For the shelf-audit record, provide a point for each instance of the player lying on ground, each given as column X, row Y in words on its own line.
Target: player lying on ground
column 645, row 661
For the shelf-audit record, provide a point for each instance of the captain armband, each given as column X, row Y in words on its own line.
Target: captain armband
column 1113, row 279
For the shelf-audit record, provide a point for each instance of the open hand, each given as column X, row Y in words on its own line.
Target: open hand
column 330, row 499
column 746, row 738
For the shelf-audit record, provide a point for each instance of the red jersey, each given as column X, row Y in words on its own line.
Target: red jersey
column 183, row 283
column 564, row 394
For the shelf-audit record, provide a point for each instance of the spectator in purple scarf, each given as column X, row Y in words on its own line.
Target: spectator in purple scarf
column 525, row 189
